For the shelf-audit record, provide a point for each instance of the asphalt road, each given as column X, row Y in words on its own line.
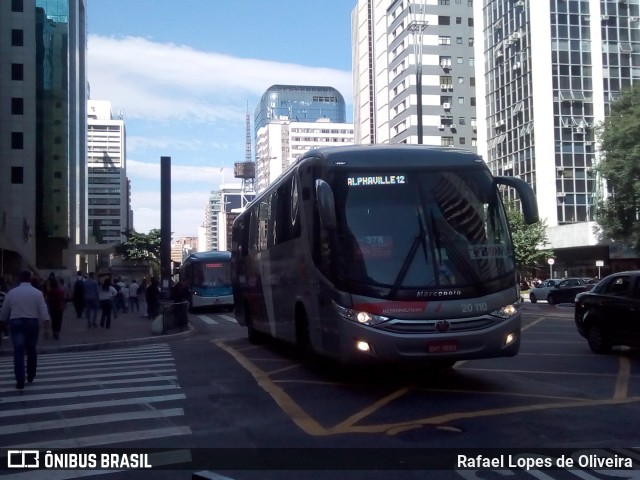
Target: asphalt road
column 228, row 394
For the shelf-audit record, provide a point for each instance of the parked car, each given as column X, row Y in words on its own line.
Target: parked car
column 540, row 292
column 558, row 291
column 608, row 314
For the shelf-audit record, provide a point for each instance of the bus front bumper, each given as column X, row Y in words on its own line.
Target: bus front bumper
column 362, row 344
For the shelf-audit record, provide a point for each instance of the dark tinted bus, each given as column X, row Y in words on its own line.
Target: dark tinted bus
column 382, row 252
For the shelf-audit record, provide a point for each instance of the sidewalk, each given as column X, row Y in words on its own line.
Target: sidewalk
column 129, row 329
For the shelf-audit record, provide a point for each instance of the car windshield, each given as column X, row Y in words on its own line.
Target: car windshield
column 436, row 229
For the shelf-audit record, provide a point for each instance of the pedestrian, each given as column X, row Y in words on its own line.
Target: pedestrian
column 91, row 300
column 133, row 296
column 4, row 326
column 152, row 296
column 55, row 298
column 78, row 294
column 25, row 310
column 106, row 295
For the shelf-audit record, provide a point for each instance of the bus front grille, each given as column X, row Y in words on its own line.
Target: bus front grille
column 422, row 326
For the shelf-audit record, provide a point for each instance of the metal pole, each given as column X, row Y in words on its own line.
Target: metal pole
column 165, row 226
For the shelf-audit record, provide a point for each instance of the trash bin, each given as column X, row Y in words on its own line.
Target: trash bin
column 174, row 315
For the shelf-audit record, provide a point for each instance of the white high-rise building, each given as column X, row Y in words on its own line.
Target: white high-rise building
column 414, row 72
column 108, row 188
column 280, row 142
column 221, row 210
column 550, row 71
column 291, row 119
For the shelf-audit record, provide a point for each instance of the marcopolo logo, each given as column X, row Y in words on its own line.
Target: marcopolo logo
column 23, row 459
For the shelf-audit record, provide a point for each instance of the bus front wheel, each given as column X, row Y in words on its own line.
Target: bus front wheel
column 303, row 336
column 255, row 337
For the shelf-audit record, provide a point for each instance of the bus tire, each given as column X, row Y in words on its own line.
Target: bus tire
column 255, row 337
column 303, row 335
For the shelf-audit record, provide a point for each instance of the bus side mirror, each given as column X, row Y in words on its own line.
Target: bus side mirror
column 527, row 197
column 326, row 205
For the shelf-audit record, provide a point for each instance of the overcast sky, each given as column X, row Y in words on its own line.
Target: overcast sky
column 185, row 73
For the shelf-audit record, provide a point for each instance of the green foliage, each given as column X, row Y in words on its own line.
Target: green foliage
column 529, row 241
column 140, row 248
column 618, row 214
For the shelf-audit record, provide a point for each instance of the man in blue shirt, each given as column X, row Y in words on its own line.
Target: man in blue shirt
column 91, row 294
column 25, row 309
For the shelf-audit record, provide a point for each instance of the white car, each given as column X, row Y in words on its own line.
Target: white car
column 540, row 292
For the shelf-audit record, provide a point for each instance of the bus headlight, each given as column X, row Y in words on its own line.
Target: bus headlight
column 359, row 316
column 507, row 311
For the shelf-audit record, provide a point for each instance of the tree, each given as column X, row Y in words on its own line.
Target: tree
column 618, row 213
column 140, row 248
column 529, row 241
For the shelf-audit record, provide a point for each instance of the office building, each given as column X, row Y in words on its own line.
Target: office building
column 42, row 135
column 280, row 142
column 221, row 210
column 550, row 71
column 290, row 120
column 414, row 75
column 108, row 186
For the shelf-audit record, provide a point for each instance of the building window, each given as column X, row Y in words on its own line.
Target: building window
column 458, row 20
column 444, row 20
column 472, row 101
column 17, row 71
column 471, row 42
column 443, row 2
column 444, row 40
column 17, row 106
column 446, row 141
column 16, row 6
column 472, row 81
column 470, row 21
column 17, row 176
column 17, row 140
column 459, row 40
column 17, row 37
column 460, row 100
column 462, row 140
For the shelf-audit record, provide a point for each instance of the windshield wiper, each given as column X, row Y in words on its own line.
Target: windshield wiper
column 420, row 238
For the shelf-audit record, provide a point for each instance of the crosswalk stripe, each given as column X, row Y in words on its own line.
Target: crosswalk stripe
column 228, row 318
column 20, row 412
column 207, row 320
column 68, row 385
column 86, row 393
column 119, row 437
column 93, row 420
column 135, row 391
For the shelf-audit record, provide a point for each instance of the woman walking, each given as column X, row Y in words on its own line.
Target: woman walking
column 106, row 295
column 55, row 297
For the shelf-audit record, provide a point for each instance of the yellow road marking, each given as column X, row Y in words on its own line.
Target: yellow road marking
column 309, row 425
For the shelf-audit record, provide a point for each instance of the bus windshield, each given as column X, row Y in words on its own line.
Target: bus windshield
column 406, row 231
column 210, row 274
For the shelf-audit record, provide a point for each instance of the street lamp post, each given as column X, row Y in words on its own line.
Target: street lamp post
column 417, row 26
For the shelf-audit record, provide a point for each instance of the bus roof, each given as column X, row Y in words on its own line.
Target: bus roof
column 357, row 156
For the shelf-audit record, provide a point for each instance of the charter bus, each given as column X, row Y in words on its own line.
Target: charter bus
column 207, row 278
column 382, row 253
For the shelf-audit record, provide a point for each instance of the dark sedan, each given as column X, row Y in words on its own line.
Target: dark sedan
column 609, row 314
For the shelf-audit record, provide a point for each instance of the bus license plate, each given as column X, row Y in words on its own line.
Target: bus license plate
column 442, row 347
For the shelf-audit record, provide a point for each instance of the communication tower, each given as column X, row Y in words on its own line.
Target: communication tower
column 246, row 170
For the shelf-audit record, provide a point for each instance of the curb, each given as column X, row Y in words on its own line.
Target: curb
column 132, row 342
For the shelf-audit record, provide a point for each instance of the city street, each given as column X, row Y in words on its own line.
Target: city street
column 215, row 390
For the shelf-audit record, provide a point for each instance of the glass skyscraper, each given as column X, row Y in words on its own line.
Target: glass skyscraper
column 300, row 104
